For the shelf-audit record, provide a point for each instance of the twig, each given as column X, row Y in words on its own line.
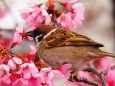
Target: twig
column 84, row 80
column 106, row 71
column 100, row 75
column 74, row 78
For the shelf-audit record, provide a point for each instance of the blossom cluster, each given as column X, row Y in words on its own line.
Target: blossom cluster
column 36, row 15
column 23, row 71
column 73, row 18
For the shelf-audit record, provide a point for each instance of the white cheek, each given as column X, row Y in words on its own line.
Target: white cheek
column 37, row 37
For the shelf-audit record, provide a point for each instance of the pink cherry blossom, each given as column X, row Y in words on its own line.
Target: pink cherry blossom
column 64, row 69
column 13, row 62
column 47, row 75
column 77, row 12
column 73, row 18
column 33, row 50
column 35, row 16
column 29, row 70
column 110, row 78
column 65, row 21
column 28, row 82
column 17, row 38
column 35, row 82
column 104, row 64
column 18, row 34
column 4, row 74
column 14, row 77
column 30, row 76
column 31, row 55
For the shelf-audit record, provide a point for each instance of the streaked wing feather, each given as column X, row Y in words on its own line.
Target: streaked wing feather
column 69, row 38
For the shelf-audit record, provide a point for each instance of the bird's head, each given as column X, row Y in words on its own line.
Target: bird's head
column 39, row 33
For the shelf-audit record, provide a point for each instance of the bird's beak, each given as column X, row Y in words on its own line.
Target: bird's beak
column 29, row 33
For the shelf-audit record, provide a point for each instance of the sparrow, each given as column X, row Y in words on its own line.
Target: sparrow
column 57, row 47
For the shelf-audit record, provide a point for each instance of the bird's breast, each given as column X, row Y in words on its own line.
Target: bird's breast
column 61, row 55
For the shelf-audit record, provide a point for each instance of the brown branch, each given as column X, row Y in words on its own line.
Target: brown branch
column 100, row 75
column 84, row 80
column 106, row 71
column 74, row 78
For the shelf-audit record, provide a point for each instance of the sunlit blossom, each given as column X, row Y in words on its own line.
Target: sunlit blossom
column 13, row 62
column 72, row 19
column 47, row 75
column 35, row 16
column 4, row 74
column 18, row 34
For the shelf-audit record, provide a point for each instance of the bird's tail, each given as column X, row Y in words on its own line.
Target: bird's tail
column 103, row 53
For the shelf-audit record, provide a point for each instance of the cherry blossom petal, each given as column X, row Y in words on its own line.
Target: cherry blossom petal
column 34, row 82
column 50, row 75
column 44, row 12
column 35, row 16
column 30, row 38
column 33, row 70
column 19, row 28
column 78, row 10
column 58, row 74
column 17, row 60
column 64, row 70
column 17, row 38
column 1, row 71
column 24, row 65
column 26, row 74
column 33, row 50
column 6, row 78
column 65, row 21
column 6, row 68
column 65, row 67
column 21, row 82
column 44, row 70
column 11, row 64
column 47, row 19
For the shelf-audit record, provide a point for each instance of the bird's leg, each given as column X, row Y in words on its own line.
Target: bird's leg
column 74, row 78
column 100, row 75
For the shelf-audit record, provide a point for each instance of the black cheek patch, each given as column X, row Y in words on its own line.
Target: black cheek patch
column 40, row 38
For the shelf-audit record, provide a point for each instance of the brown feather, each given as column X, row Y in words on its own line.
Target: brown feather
column 68, row 38
column 103, row 53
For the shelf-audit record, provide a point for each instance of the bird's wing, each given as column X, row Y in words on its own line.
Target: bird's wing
column 68, row 38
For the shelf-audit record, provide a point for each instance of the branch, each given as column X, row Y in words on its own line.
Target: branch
column 81, row 79
column 84, row 80
column 100, row 75
column 106, row 71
